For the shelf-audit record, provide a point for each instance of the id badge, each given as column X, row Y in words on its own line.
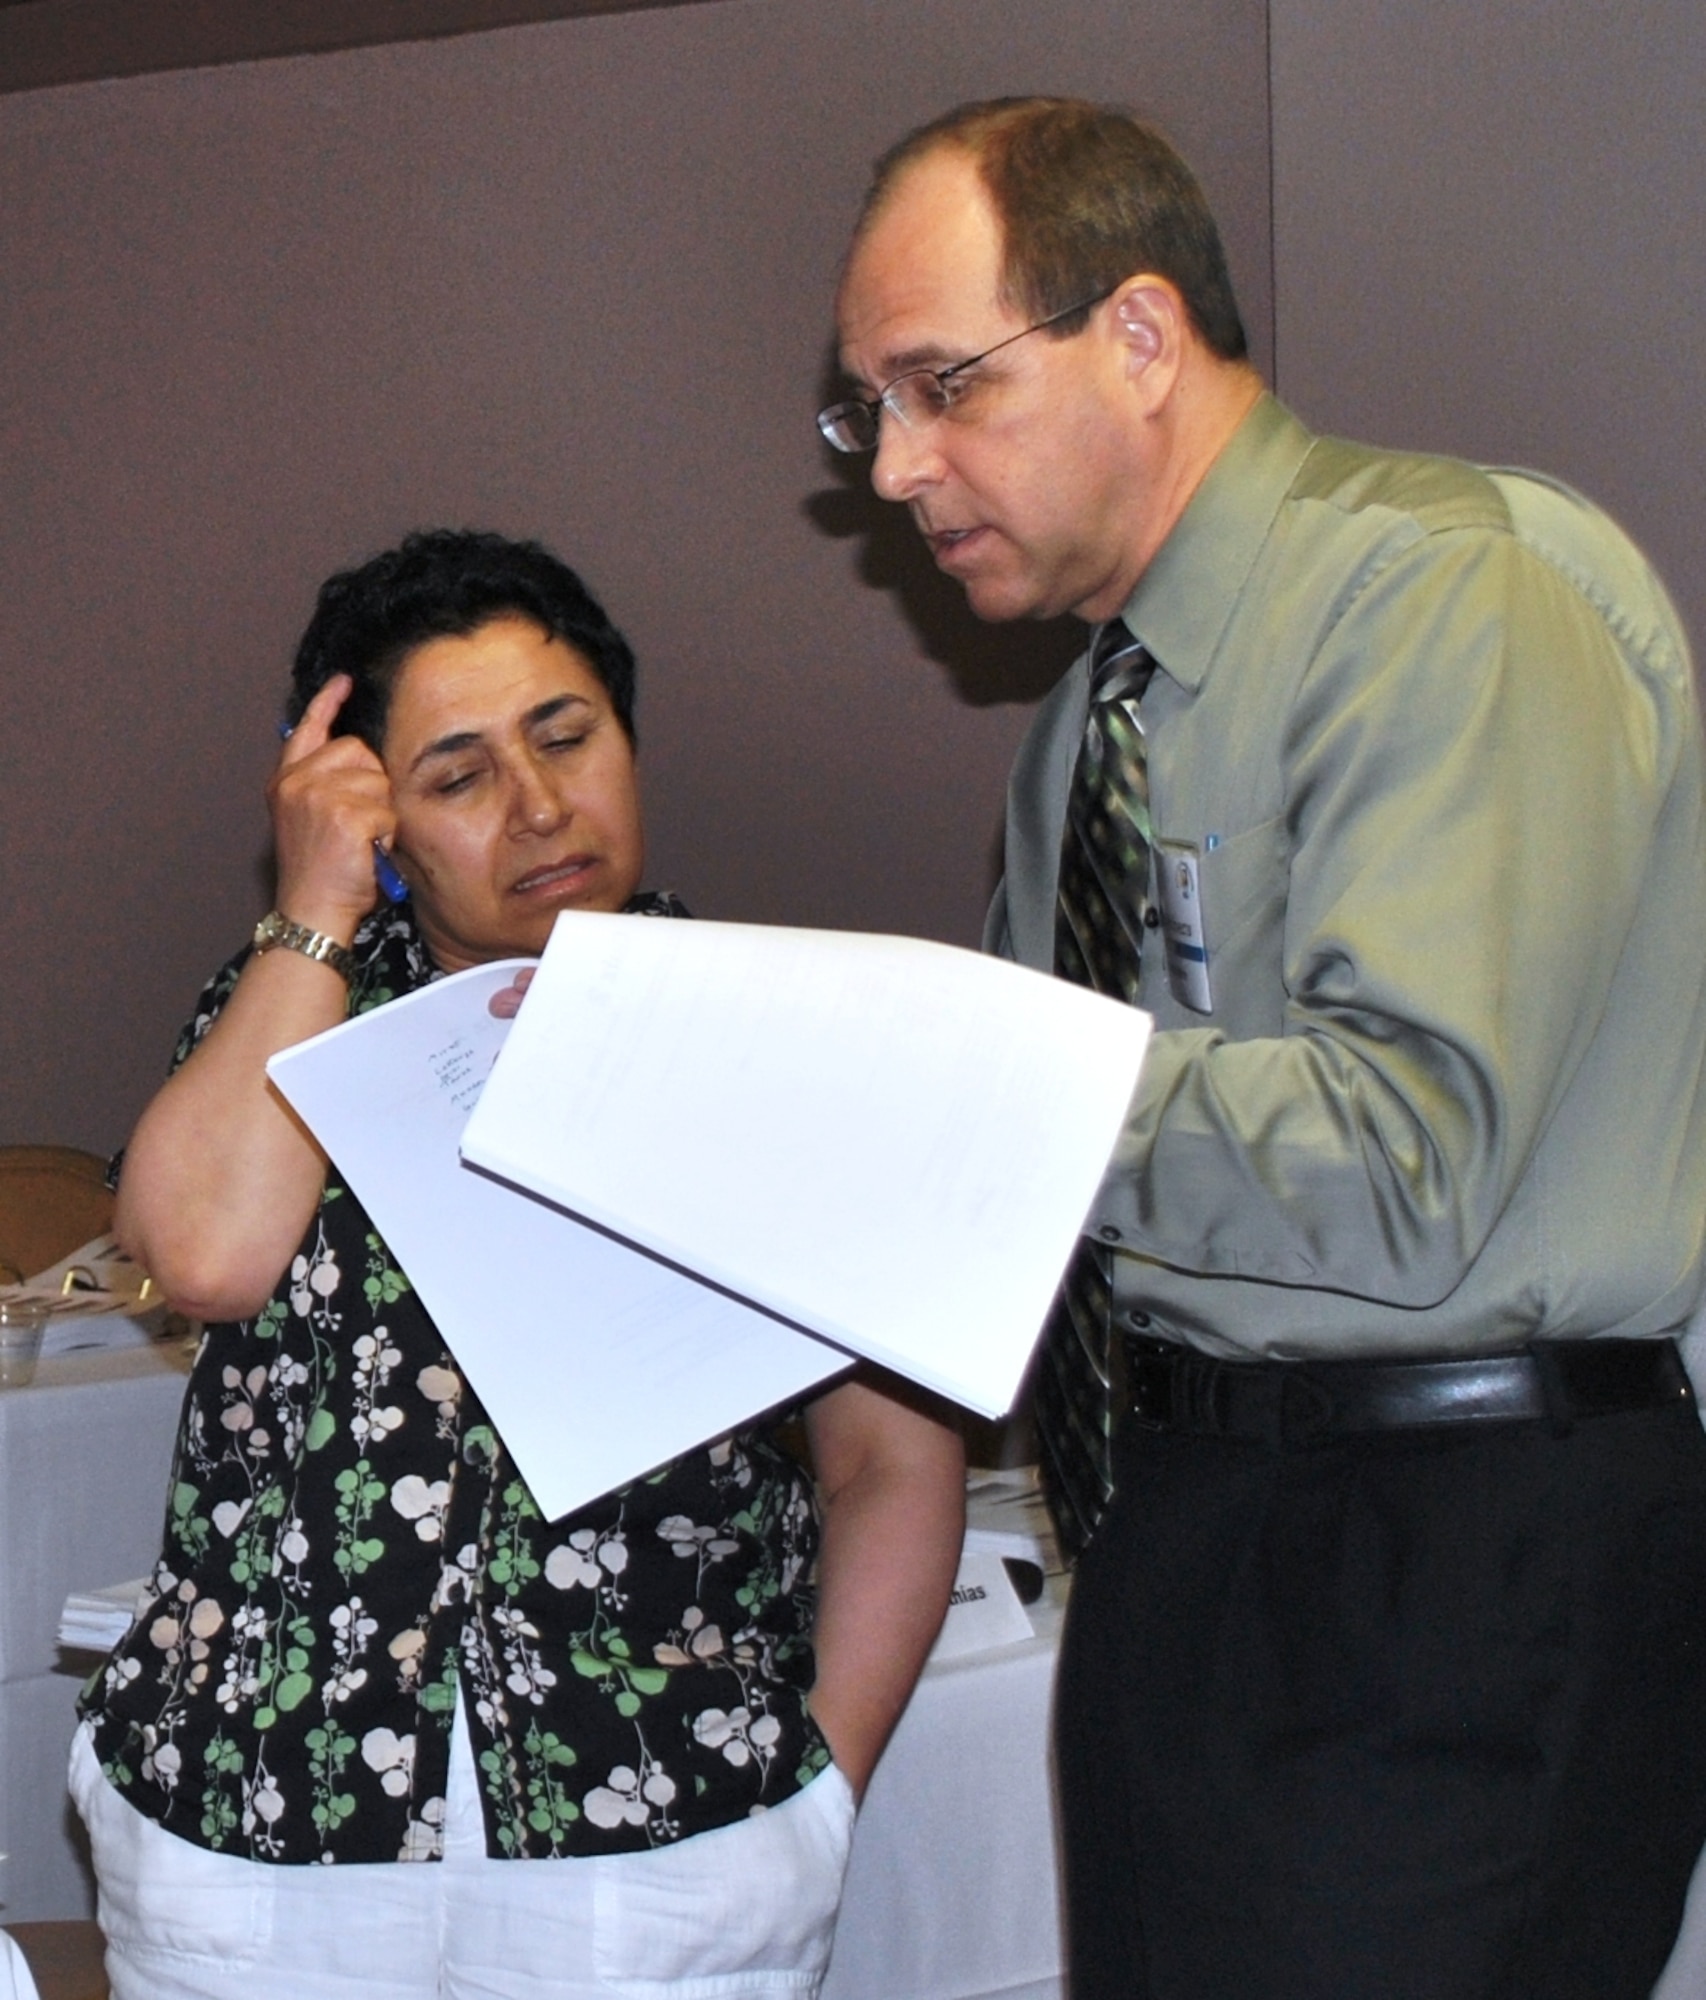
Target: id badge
column 1178, row 877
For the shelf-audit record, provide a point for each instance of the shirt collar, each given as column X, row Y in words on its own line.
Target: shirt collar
column 1185, row 597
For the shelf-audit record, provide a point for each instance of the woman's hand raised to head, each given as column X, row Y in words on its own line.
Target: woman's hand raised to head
column 330, row 801
column 220, row 1179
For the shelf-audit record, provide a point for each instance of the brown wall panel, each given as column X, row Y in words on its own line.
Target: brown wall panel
column 73, row 41
column 571, row 280
column 1488, row 242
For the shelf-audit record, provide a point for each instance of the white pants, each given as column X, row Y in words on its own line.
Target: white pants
column 744, row 1913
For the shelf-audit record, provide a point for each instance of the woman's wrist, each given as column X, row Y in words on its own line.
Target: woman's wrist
column 278, row 931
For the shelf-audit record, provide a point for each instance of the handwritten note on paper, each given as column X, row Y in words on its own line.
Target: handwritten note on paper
column 595, row 1362
column 892, row 1142
column 460, row 1070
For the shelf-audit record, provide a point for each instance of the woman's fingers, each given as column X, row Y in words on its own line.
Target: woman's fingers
column 331, row 801
column 505, row 1003
column 314, row 731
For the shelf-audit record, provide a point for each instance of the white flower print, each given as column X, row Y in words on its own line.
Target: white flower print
column 309, row 1281
column 375, row 1357
column 161, row 1761
column 392, row 1756
column 526, row 1674
column 262, row 1802
column 689, row 1540
column 480, row 1669
column 629, row 1797
column 457, row 1579
column 424, row 1504
column 239, row 1415
column 739, row 1735
column 352, row 1628
column 443, row 1387
column 703, row 1641
column 573, row 1564
column 241, row 1682
column 423, row 1838
column 408, row 1649
column 292, row 1551
column 588, row 1560
column 121, row 1672
column 728, row 1458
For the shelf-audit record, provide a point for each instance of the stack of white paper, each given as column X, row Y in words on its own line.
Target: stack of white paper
column 817, row 1136
column 94, row 1621
column 594, row 1362
column 891, row 1142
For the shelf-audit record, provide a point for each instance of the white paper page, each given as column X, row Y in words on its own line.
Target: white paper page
column 983, row 1610
column 892, row 1142
column 595, row 1362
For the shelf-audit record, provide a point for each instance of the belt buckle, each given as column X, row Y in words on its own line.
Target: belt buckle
column 1149, row 1384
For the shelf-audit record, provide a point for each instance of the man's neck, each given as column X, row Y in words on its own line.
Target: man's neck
column 1209, row 402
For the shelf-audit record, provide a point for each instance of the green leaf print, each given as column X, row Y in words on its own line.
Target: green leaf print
column 384, row 1284
column 357, row 1492
column 190, row 1530
column 294, row 1690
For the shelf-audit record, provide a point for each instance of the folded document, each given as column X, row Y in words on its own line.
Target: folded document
column 837, row 1144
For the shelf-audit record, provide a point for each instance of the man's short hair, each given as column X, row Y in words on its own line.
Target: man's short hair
column 445, row 583
column 1087, row 196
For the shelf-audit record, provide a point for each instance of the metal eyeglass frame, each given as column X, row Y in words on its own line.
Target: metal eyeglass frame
column 920, row 395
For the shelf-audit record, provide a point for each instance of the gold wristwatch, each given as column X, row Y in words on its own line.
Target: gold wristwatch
column 276, row 932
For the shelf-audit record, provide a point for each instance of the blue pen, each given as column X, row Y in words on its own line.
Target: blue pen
column 391, row 885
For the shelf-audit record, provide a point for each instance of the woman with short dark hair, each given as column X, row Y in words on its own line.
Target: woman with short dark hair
column 630, row 1740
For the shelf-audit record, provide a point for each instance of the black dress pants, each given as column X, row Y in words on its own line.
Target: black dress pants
column 1409, row 1716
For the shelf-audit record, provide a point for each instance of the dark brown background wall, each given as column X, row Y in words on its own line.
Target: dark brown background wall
column 1488, row 240
column 571, row 280
column 574, row 280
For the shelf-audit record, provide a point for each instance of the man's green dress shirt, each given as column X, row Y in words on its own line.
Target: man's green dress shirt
column 1432, row 733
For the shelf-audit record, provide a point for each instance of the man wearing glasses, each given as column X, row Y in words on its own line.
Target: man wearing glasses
column 1381, row 787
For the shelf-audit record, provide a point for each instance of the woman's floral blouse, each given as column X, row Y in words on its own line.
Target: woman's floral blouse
column 347, row 1544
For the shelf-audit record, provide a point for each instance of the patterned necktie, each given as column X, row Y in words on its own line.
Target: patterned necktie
column 1102, row 899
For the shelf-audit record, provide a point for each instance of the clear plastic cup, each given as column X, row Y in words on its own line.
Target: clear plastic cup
column 21, row 1324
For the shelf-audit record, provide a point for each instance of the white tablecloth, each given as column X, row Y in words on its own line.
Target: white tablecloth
column 85, row 1451
column 951, row 1892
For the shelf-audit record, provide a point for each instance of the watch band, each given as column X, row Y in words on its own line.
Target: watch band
column 276, row 932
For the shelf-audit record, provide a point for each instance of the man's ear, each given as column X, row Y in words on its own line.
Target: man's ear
column 1150, row 317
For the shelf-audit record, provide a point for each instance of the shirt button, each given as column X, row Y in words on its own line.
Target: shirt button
column 1108, row 1233
column 1152, row 918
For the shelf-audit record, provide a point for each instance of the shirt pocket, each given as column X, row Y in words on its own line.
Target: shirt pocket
column 1243, row 887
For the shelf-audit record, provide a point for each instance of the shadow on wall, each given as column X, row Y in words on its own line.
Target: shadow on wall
column 989, row 664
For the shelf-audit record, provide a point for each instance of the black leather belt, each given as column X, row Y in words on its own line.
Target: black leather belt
column 1557, row 1382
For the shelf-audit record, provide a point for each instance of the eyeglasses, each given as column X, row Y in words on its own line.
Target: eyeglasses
column 922, row 395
